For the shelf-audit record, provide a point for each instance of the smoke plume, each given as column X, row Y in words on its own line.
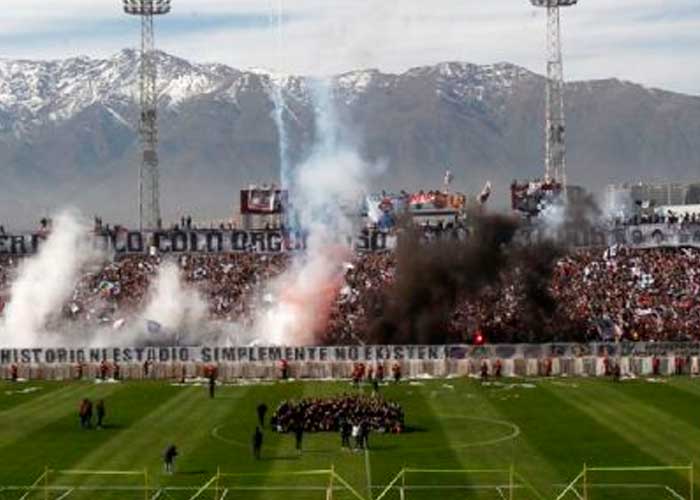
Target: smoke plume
column 45, row 282
column 324, row 191
column 175, row 307
column 432, row 278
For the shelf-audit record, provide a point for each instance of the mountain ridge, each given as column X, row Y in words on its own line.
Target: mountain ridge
column 68, row 130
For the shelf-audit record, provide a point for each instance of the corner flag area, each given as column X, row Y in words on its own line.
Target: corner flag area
column 535, row 439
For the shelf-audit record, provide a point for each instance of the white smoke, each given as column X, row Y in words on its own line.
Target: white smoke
column 45, row 282
column 553, row 217
column 174, row 313
column 277, row 95
column 174, row 306
column 325, row 192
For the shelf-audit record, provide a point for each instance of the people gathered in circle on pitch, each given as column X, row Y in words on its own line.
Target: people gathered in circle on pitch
column 334, row 414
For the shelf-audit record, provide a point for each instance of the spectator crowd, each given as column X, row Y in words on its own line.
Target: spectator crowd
column 650, row 294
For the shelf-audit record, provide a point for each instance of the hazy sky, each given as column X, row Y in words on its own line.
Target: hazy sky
column 654, row 42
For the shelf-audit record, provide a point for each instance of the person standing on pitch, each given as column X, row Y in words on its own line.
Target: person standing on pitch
column 299, row 436
column 257, row 443
column 82, row 412
column 262, row 411
column 169, row 458
column 88, row 413
column 364, row 435
column 356, row 434
column 212, row 384
column 100, row 408
column 484, row 372
column 345, row 432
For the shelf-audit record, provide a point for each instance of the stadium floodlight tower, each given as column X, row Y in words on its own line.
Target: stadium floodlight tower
column 149, row 190
column 555, row 123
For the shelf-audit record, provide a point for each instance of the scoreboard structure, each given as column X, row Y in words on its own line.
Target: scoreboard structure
column 263, row 201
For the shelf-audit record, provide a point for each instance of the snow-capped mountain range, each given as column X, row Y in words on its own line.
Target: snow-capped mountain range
column 68, row 129
column 34, row 93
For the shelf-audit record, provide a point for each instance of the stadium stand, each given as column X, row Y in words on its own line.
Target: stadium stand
column 649, row 294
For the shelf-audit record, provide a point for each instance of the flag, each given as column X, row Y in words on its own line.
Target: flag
column 485, row 193
column 107, row 288
column 448, row 178
column 611, row 252
column 153, row 326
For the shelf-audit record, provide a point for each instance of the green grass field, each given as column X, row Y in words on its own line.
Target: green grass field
column 546, row 428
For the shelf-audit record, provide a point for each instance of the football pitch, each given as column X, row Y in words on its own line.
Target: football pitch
column 507, row 439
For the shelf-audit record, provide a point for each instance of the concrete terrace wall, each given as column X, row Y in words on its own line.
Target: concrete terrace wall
column 588, row 366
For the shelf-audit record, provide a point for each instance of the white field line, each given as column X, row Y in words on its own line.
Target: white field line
column 498, row 487
column 476, row 487
column 65, row 494
column 368, row 472
column 674, row 493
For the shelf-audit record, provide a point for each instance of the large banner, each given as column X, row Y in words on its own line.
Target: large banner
column 575, row 350
column 639, row 236
column 277, row 241
column 197, row 241
column 365, row 354
column 212, row 354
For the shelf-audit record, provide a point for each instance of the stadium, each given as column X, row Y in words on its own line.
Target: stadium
column 341, row 334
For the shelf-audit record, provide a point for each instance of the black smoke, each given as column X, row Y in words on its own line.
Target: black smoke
column 432, row 277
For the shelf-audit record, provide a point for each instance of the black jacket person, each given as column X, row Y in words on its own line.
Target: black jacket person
column 257, row 443
column 100, row 408
column 299, row 435
column 262, row 411
column 212, row 385
column 169, row 458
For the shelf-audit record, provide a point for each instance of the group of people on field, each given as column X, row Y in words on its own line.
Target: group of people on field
column 86, row 413
column 373, row 375
column 329, row 414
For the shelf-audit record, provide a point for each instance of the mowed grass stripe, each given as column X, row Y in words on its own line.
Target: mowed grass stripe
column 451, row 449
column 22, row 421
column 15, row 399
column 563, row 424
column 53, row 436
column 323, row 450
column 179, row 420
column 654, row 432
column 233, row 415
column 40, row 400
column 685, row 393
column 278, row 452
column 564, row 435
column 503, row 404
column 426, row 444
column 637, row 422
column 671, row 412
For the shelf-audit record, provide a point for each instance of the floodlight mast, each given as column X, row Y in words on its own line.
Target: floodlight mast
column 149, row 188
column 555, row 121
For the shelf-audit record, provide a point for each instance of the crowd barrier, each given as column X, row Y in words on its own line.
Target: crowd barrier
column 590, row 366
